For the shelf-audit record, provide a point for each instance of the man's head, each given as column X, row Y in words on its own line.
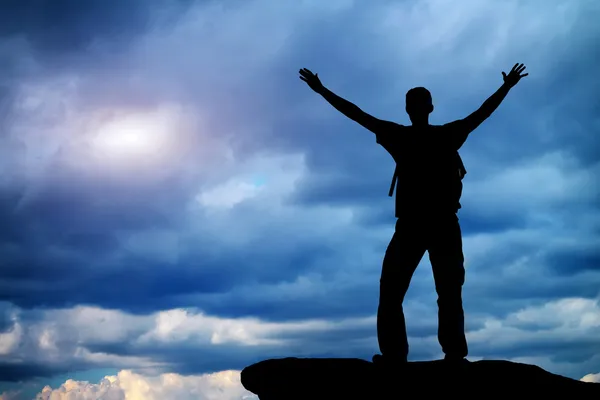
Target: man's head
column 418, row 103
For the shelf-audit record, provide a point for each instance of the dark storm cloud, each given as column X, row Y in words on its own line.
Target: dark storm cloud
column 142, row 285
column 18, row 372
column 500, row 298
column 67, row 26
column 81, row 221
column 134, row 283
column 324, row 300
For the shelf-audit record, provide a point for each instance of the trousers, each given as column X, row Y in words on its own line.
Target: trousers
column 440, row 236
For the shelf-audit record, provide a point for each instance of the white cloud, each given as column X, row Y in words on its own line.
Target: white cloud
column 178, row 325
column 56, row 338
column 567, row 319
column 62, row 337
column 93, row 324
column 591, row 378
column 193, row 328
column 9, row 340
column 127, row 385
column 11, row 395
column 575, row 313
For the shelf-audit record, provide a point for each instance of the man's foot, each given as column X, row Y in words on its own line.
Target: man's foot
column 455, row 359
column 389, row 361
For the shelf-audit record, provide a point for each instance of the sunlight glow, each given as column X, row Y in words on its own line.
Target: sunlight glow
column 134, row 135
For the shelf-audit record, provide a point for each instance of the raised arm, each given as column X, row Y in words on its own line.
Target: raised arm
column 347, row 108
column 468, row 124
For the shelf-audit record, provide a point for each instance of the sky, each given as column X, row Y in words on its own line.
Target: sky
column 177, row 204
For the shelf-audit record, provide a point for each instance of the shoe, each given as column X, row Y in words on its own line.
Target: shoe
column 454, row 359
column 389, row 362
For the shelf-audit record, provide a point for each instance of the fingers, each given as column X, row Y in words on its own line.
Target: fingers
column 517, row 68
column 524, row 75
column 305, row 72
column 304, row 79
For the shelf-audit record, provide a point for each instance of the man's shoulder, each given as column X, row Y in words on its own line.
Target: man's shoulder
column 396, row 126
column 454, row 126
column 390, row 130
column 443, row 127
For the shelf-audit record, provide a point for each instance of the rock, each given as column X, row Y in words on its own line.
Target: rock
column 351, row 378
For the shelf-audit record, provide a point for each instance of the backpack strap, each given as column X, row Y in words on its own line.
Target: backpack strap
column 394, row 180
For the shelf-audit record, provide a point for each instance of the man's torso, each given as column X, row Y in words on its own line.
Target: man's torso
column 428, row 168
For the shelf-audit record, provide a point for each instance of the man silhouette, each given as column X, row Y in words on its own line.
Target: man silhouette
column 429, row 175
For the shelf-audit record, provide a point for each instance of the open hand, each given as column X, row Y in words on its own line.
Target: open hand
column 311, row 79
column 514, row 75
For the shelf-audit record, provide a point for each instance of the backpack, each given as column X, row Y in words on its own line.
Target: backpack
column 459, row 164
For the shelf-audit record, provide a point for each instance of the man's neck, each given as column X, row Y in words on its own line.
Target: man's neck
column 420, row 122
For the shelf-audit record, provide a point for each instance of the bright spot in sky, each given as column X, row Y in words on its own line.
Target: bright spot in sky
column 134, row 135
column 143, row 144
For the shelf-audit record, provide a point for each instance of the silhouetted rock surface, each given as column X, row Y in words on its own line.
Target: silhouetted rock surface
column 350, row 378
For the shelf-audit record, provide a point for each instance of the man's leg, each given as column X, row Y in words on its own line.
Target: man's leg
column 402, row 257
column 447, row 261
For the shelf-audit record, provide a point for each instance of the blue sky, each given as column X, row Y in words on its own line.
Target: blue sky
column 177, row 204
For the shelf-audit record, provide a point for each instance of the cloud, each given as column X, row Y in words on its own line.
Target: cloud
column 128, row 385
column 262, row 216
column 12, row 395
column 559, row 335
column 67, row 26
column 535, row 330
column 591, row 378
column 10, row 339
column 160, row 223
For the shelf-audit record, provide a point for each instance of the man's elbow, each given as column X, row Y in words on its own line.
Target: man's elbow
column 473, row 121
column 355, row 113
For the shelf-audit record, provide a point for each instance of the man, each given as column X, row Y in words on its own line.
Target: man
column 429, row 175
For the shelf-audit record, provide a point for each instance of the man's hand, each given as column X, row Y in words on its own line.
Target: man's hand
column 514, row 75
column 311, row 79
column 467, row 125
